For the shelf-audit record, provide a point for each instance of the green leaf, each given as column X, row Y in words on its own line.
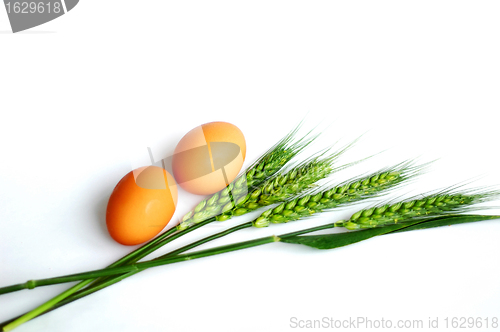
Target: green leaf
column 331, row 241
column 448, row 221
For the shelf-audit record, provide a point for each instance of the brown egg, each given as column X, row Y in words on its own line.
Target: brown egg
column 141, row 205
column 209, row 157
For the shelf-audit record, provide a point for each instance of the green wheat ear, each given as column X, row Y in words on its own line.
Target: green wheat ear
column 448, row 201
column 268, row 165
column 348, row 192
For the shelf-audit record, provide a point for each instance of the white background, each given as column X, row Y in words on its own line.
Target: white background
column 79, row 94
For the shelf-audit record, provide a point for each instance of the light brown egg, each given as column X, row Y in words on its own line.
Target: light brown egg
column 209, row 157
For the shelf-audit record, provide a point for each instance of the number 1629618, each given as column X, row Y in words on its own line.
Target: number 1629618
column 471, row 322
column 33, row 7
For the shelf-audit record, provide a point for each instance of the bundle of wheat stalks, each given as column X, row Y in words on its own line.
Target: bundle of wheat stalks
column 271, row 181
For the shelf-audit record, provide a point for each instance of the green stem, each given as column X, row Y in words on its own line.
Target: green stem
column 159, row 242
column 205, row 240
column 135, row 255
column 166, row 259
column 152, row 246
column 130, row 268
column 35, row 312
column 105, row 282
column 145, row 247
column 62, row 300
column 135, row 268
column 75, row 296
column 110, row 281
column 116, row 279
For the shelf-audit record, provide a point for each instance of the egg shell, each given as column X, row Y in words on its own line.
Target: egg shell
column 209, row 157
column 141, row 205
